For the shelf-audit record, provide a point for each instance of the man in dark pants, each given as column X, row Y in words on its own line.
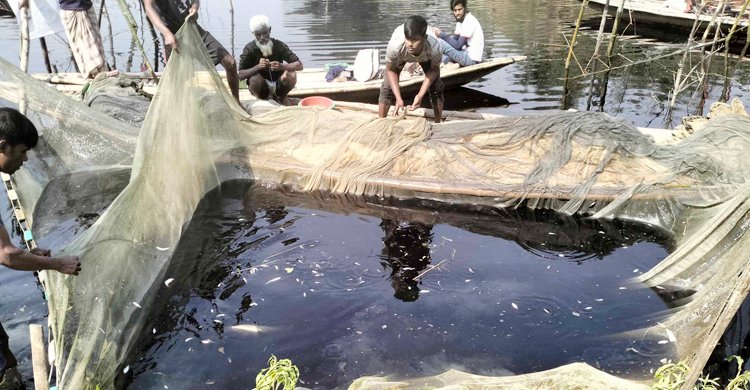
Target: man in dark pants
column 268, row 65
column 169, row 15
column 17, row 136
column 410, row 43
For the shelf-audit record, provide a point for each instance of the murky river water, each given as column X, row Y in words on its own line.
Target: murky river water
column 331, row 31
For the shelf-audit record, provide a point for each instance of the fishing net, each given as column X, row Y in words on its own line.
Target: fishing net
column 138, row 189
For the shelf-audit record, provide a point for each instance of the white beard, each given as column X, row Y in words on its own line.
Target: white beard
column 266, row 49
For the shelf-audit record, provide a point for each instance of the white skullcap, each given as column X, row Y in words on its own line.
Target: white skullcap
column 259, row 22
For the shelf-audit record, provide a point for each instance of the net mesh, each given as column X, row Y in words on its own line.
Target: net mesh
column 194, row 137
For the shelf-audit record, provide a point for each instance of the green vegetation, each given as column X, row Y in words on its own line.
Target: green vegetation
column 279, row 373
column 671, row 376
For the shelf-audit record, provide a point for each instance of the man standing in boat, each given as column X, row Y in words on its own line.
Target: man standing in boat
column 17, row 136
column 268, row 65
column 468, row 37
column 82, row 30
column 410, row 43
column 169, row 15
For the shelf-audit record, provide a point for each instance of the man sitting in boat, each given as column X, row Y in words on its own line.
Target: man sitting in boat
column 410, row 43
column 468, row 37
column 268, row 65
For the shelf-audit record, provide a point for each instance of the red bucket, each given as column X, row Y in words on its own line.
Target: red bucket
column 317, row 101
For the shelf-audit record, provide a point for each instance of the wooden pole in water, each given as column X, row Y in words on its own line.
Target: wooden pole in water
column 131, row 23
column 231, row 17
column 45, row 54
column 595, row 57
column 572, row 44
column 727, row 82
column 610, row 49
column 24, row 63
column 38, row 357
column 101, row 11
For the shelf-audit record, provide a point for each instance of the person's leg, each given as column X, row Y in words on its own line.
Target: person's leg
column 386, row 97
column 437, row 99
column 7, row 359
column 258, row 87
column 286, row 83
column 220, row 55
column 85, row 41
column 230, row 65
column 460, row 57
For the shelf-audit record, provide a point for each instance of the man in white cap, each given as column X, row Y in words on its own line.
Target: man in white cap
column 268, row 65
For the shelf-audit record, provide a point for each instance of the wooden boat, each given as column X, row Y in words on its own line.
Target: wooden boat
column 665, row 13
column 311, row 82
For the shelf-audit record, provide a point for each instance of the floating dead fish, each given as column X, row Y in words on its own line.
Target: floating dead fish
column 514, row 305
column 274, row 280
column 289, row 270
column 663, row 342
column 575, row 313
column 168, row 282
column 162, row 248
column 247, row 328
column 188, row 339
column 671, row 336
column 126, row 369
column 206, row 341
column 137, row 305
column 471, row 270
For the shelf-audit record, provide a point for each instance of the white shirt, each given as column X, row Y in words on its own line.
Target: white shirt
column 472, row 31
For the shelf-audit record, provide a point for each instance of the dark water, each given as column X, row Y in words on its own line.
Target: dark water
column 331, row 31
column 332, row 288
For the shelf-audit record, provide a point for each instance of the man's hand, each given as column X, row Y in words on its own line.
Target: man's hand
column 398, row 106
column 69, row 265
column 437, row 31
column 193, row 13
column 40, row 252
column 263, row 64
column 171, row 41
column 276, row 66
column 417, row 102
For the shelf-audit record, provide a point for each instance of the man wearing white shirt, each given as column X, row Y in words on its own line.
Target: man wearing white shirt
column 468, row 36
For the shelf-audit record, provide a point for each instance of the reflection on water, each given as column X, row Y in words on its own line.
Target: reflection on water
column 335, row 288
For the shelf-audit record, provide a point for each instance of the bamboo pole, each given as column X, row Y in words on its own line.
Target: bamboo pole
column 572, row 44
column 45, row 54
column 154, row 38
column 231, row 17
column 131, row 23
column 38, row 357
column 101, row 11
column 727, row 81
column 610, row 49
column 111, row 37
column 706, row 59
column 595, row 57
column 24, row 63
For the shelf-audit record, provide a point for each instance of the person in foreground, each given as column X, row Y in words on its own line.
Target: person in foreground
column 268, row 65
column 17, row 136
column 410, row 43
column 169, row 15
column 468, row 37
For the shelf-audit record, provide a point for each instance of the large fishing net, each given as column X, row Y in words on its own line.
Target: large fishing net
column 138, row 190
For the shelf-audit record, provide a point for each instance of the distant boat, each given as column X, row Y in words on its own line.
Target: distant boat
column 665, row 14
column 5, row 10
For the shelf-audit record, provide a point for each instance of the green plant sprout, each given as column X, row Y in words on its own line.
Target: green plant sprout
column 671, row 376
column 279, row 373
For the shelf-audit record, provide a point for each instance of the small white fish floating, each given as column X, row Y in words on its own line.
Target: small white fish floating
column 168, row 282
column 162, row 248
column 246, row 328
column 276, row 279
column 137, row 305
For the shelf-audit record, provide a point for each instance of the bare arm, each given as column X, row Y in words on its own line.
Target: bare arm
column 20, row 260
column 169, row 38
column 429, row 77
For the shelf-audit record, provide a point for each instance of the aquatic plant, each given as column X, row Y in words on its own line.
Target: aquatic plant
column 671, row 376
column 279, row 373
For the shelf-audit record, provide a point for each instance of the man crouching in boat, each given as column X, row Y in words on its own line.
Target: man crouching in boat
column 268, row 65
column 17, row 136
column 410, row 43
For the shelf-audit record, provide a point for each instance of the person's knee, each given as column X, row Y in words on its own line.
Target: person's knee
column 258, row 87
column 229, row 63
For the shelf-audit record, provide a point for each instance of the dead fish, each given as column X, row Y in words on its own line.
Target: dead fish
column 248, row 328
column 168, row 282
column 274, row 280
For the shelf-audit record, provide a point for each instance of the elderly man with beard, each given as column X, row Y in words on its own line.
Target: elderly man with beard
column 268, row 65
column 169, row 15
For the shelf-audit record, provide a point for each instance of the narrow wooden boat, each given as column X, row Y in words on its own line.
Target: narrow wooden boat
column 665, row 13
column 312, row 82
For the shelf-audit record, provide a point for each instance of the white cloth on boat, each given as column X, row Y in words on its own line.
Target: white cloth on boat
column 45, row 17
